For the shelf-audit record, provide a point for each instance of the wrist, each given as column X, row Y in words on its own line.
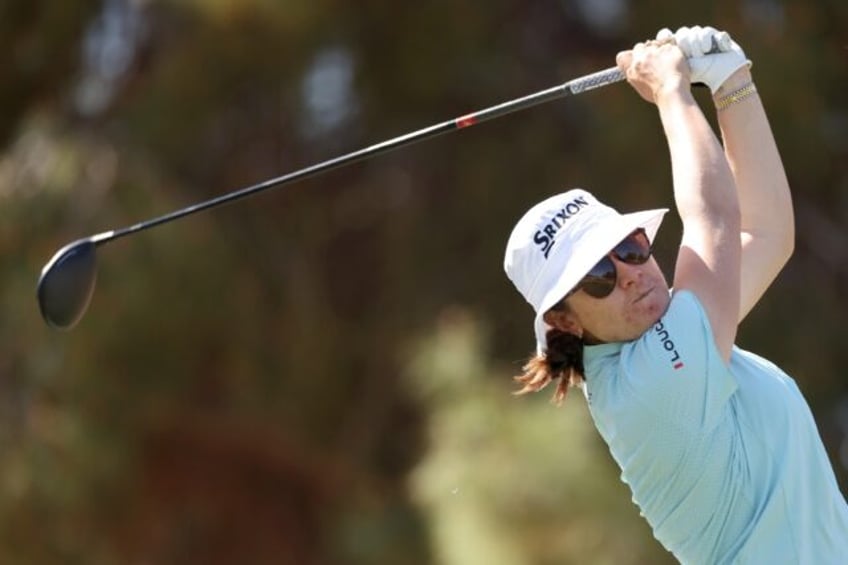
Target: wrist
column 739, row 95
column 737, row 80
column 675, row 89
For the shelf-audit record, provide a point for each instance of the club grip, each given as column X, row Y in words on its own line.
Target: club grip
column 594, row 80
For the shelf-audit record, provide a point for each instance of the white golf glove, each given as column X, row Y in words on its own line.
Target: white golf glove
column 712, row 55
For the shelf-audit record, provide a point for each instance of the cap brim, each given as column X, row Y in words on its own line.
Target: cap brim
column 605, row 236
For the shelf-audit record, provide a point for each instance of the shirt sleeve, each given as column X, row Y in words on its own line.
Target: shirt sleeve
column 676, row 369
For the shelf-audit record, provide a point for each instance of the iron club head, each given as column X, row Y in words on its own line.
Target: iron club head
column 67, row 283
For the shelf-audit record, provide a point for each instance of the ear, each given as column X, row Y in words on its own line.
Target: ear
column 564, row 320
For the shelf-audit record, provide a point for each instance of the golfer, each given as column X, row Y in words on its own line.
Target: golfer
column 717, row 445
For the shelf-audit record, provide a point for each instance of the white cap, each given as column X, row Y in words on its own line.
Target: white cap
column 558, row 241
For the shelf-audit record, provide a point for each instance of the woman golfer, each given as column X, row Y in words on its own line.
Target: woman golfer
column 717, row 445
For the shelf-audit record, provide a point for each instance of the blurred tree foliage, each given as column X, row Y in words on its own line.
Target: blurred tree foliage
column 322, row 374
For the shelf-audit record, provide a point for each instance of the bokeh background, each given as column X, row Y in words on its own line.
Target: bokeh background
column 322, row 374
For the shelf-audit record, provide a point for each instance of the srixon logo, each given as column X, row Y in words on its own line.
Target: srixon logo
column 544, row 238
column 668, row 345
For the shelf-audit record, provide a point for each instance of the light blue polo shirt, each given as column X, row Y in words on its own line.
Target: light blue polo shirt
column 725, row 462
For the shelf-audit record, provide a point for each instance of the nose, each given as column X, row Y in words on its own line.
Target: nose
column 627, row 274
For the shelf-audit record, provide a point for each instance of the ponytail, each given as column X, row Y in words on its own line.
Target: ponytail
column 563, row 360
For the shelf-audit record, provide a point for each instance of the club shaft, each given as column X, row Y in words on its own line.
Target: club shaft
column 572, row 87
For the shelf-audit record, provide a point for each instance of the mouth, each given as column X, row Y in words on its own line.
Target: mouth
column 643, row 295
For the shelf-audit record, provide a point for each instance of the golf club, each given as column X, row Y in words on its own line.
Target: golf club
column 66, row 284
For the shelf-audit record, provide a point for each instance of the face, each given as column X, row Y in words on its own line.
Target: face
column 638, row 298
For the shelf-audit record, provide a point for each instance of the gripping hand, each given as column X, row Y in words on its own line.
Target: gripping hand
column 712, row 55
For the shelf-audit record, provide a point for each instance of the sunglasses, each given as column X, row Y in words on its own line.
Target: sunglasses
column 600, row 281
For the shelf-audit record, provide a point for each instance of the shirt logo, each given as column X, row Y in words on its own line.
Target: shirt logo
column 668, row 345
column 544, row 238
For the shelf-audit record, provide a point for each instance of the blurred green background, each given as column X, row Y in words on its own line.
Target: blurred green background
column 322, row 374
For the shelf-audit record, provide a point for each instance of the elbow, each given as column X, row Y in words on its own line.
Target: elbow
column 788, row 245
column 786, row 237
column 779, row 246
column 786, row 231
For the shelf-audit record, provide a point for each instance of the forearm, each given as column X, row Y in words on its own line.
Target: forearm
column 764, row 199
column 704, row 187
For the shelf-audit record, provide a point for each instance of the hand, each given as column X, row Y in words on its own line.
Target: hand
column 654, row 68
column 712, row 55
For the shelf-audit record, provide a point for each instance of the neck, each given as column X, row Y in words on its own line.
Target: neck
column 589, row 339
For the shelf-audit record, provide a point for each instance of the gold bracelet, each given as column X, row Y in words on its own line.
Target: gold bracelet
column 737, row 95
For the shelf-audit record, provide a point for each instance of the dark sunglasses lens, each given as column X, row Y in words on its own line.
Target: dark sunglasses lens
column 600, row 281
column 635, row 249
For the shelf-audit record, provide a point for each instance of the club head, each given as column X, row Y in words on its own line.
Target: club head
column 67, row 283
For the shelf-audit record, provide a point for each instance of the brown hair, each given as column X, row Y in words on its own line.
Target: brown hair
column 562, row 360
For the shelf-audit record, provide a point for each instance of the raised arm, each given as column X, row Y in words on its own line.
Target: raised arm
column 765, row 203
column 705, row 194
column 767, row 230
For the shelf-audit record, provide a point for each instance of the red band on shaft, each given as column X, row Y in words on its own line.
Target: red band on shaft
column 465, row 121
